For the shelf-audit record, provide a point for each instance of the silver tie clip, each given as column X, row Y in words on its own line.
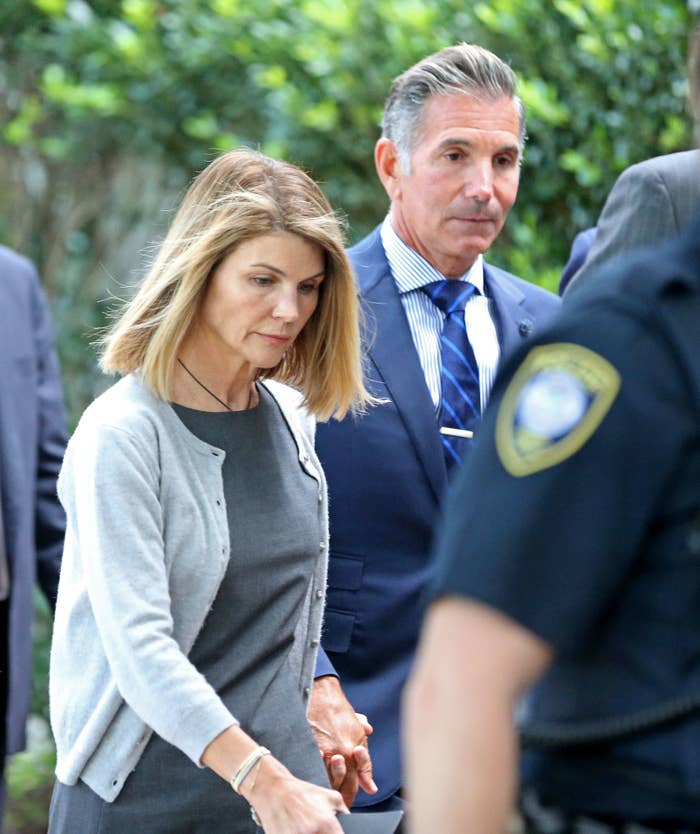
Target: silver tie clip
column 456, row 432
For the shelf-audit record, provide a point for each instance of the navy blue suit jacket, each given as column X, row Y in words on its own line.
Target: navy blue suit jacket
column 579, row 252
column 386, row 476
column 32, row 442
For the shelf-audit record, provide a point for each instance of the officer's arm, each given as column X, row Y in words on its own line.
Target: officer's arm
column 473, row 664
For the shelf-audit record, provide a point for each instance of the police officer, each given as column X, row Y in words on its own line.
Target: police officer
column 588, row 596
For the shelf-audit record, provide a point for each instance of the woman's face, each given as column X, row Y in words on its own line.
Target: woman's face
column 260, row 297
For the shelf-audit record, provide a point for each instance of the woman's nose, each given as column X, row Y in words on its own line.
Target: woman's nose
column 287, row 306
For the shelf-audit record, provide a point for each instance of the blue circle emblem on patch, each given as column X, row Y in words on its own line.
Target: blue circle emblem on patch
column 554, row 403
column 551, row 403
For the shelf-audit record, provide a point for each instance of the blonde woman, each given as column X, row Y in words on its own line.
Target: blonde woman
column 191, row 595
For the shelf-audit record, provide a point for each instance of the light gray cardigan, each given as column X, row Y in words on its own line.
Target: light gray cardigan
column 146, row 548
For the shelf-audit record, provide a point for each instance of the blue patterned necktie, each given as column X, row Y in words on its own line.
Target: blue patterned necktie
column 459, row 399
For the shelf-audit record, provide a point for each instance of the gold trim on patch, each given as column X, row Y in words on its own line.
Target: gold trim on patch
column 528, row 452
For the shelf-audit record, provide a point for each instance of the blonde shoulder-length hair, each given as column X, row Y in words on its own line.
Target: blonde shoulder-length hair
column 239, row 196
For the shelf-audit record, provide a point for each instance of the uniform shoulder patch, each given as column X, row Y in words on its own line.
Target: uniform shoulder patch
column 554, row 403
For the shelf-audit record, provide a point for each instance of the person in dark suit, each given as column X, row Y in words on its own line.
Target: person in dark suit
column 449, row 159
column 651, row 201
column 32, row 442
column 579, row 252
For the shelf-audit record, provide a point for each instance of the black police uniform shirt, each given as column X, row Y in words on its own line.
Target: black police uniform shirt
column 578, row 515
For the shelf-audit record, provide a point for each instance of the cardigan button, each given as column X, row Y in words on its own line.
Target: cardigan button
column 319, row 594
column 307, row 691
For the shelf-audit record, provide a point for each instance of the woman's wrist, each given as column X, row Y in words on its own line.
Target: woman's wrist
column 248, row 768
column 268, row 775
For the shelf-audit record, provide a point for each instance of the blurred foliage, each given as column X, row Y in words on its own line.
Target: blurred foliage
column 108, row 107
column 42, row 645
column 29, row 783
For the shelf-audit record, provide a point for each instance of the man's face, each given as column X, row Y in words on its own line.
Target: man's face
column 464, row 179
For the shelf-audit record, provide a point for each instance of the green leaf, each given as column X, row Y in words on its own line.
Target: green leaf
column 322, row 116
column 674, row 134
column 54, row 8
column 225, row 8
column 272, row 77
column 202, row 126
column 587, row 173
column 19, row 130
column 574, row 11
column 540, row 100
column 226, row 141
column 140, row 13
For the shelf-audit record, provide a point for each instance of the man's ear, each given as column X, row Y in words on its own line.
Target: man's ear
column 386, row 160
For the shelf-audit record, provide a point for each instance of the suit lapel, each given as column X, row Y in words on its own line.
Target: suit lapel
column 394, row 356
column 511, row 319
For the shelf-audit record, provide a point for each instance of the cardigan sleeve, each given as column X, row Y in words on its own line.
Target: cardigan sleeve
column 110, row 488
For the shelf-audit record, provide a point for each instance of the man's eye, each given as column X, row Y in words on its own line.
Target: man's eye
column 453, row 156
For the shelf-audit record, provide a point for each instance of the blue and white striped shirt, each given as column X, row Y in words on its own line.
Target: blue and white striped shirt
column 411, row 272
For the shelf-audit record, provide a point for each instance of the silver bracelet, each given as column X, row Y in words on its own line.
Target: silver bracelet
column 246, row 766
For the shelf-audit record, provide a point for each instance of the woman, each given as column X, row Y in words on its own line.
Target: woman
column 191, row 594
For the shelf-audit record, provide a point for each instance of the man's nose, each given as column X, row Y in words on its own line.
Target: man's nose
column 479, row 181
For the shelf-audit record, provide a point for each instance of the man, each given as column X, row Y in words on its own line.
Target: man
column 579, row 252
column 651, row 201
column 449, row 159
column 32, row 442
column 591, row 450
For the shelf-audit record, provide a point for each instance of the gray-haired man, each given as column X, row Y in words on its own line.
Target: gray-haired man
column 449, row 159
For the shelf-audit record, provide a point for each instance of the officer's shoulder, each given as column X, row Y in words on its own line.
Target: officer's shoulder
column 645, row 280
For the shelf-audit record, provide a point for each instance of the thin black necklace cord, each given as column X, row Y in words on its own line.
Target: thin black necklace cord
column 211, row 393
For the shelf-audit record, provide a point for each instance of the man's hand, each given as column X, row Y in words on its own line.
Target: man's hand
column 341, row 735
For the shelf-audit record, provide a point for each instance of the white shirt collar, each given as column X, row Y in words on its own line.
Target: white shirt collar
column 411, row 271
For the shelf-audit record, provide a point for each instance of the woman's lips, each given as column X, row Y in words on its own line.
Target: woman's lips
column 276, row 338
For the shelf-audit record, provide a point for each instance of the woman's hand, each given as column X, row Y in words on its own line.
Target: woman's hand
column 287, row 805
column 283, row 803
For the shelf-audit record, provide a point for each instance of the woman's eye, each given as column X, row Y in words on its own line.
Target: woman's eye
column 262, row 280
column 307, row 289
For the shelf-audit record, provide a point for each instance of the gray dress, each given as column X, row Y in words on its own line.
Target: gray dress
column 245, row 649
